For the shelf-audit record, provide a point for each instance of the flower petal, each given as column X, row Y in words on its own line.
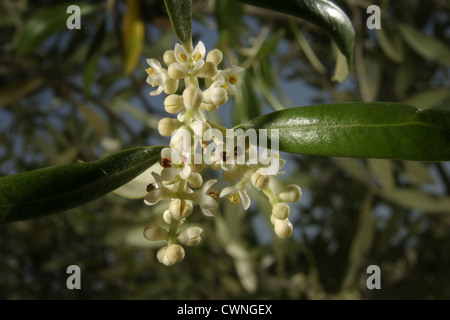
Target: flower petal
column 207, row 202
column 136, row 188
column 206, row 212
column 245, row 199
column 227, row 191
column 153, row 197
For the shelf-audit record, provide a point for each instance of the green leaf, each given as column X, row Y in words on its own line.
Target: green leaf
column 47, row 22
column 427, row 46
column 368, row 130
column 428, row 98
column 133, row 32
column 180, row 14
column 323, row 13
column 390, row 42
column 55, row 189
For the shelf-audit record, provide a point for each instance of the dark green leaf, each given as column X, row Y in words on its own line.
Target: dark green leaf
column 323, row 13
column 367, row 130
column 47, row 22
column 55, row 189
column 180, row 14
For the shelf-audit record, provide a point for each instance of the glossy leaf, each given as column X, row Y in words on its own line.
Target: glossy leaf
column 323, row 13
column 47, row 22
column 180, row 14
column 367, row 130
column 55, row 189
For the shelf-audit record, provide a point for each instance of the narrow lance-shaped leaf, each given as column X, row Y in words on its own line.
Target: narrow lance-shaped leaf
column 323, row 13
column 55, row 189
column 367, row 130
column 180, row 14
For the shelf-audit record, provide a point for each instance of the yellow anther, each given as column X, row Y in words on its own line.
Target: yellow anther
column 234, row 198
column 182, row 57
column 153, row 84
column 233, row 79
column 150, row 72
column 225, row 86
column 197, row 56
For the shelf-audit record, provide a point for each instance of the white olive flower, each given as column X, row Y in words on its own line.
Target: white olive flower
column 271, row 165
column 174, row 163
column 158, row 77
column 187, row 64
column 237, row 193
column 230, row 78
column 156, row 193
column 206, row 199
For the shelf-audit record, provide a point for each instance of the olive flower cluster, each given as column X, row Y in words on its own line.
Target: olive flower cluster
column 180, row 179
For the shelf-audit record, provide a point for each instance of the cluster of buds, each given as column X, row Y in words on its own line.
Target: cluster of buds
column 180, row 178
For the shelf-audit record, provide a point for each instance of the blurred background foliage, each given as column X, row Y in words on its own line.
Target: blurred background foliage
column 68, row 95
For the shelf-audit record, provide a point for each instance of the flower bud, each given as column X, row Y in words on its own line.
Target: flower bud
column 192, row 98
column 171, row 86
column 217, row 96
column 180, row 209
column 259, row 180
column 215, row 56
column 173, row 103
column 209, row 106
column 154, row 232
column 195, row 180
column 291, row 193
column 169, row 57
column 283, row 228
column 166, row 126
column 280, row 211
column 161, row 253
column 272, row 219
column 208, row 70
column 167, row 217
column 174, row 253
column 175, row 72
column 169, row 255
column 190, row 236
